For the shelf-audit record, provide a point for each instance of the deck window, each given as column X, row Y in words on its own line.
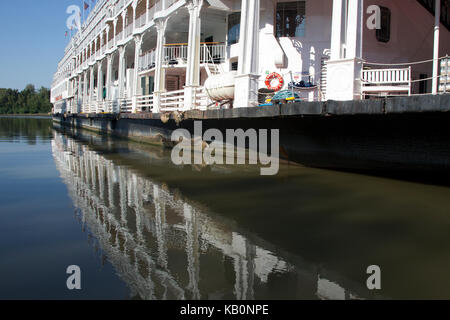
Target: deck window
column 291, row 18
column 384, row 33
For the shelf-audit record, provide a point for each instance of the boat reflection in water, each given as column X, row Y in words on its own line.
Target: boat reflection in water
column 167, row 247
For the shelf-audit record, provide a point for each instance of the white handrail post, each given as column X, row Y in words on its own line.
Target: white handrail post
column 437, row 20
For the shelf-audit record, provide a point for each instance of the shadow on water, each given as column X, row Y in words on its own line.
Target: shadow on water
column 200, row 232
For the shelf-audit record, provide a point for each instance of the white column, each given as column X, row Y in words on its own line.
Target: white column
column 336, row 30
column 193, row 58
column 137, row 52
column 437, row 21
column 354, row 29
column 247, row 78
column 100, row 81
column 344, row 71
column 134, row 5
column 107, row 36
column 85, row 91
column 115, row 31
column 161, row 25
column 109, row 76
column 122, row 68
column 147, row 12
column 91, row 88
column 80, row 94
column 124, row 23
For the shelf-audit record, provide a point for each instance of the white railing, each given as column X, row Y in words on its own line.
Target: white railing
column 444, row 79
column 209, row 53
column 175, row 53
column 212, row 53
column 147, row 61
column 111, row 106
column 202, row 100
column 172, row 101
column 126, row 105
column 129, row 30
column 144, row 103
column 141, row 20
column 119, row 36
column 118, row 7
column 386, row 80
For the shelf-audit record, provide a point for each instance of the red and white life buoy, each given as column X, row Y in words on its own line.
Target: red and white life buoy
column 274, row 81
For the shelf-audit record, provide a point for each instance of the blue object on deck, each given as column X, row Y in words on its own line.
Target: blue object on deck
column 266, row 105
column 286, row 94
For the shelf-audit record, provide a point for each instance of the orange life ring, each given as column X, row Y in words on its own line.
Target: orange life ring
column 272, row 77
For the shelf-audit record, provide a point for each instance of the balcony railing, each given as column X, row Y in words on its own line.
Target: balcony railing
column 129, row 30
column 141, row 20
column 119, row 36
column 147, row 61
column 210, row 52
column 175, row 53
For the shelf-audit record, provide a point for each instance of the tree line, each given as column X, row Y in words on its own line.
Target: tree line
column 27, row 101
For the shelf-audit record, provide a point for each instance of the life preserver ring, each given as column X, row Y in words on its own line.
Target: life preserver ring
column 269, row 81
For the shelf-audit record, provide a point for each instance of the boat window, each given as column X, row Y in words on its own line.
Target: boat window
column 291, row 19
column 384, row 33
column 234, row 26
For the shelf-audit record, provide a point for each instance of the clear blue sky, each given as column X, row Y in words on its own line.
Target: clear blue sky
column 32, row 40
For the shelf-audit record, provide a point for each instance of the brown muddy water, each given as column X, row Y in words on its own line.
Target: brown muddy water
column 140, row 227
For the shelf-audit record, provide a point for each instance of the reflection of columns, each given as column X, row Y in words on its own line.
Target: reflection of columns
column 192, row 250
column 160, row 223
column 244, row 267
column 344, row 67
column 193, row 58
column 123, row 196
column 161, row 25
column 437, row 21
column 247, row 77
column 138, row 41
column 122, row 67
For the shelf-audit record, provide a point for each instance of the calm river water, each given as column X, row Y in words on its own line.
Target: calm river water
column 142, row 228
